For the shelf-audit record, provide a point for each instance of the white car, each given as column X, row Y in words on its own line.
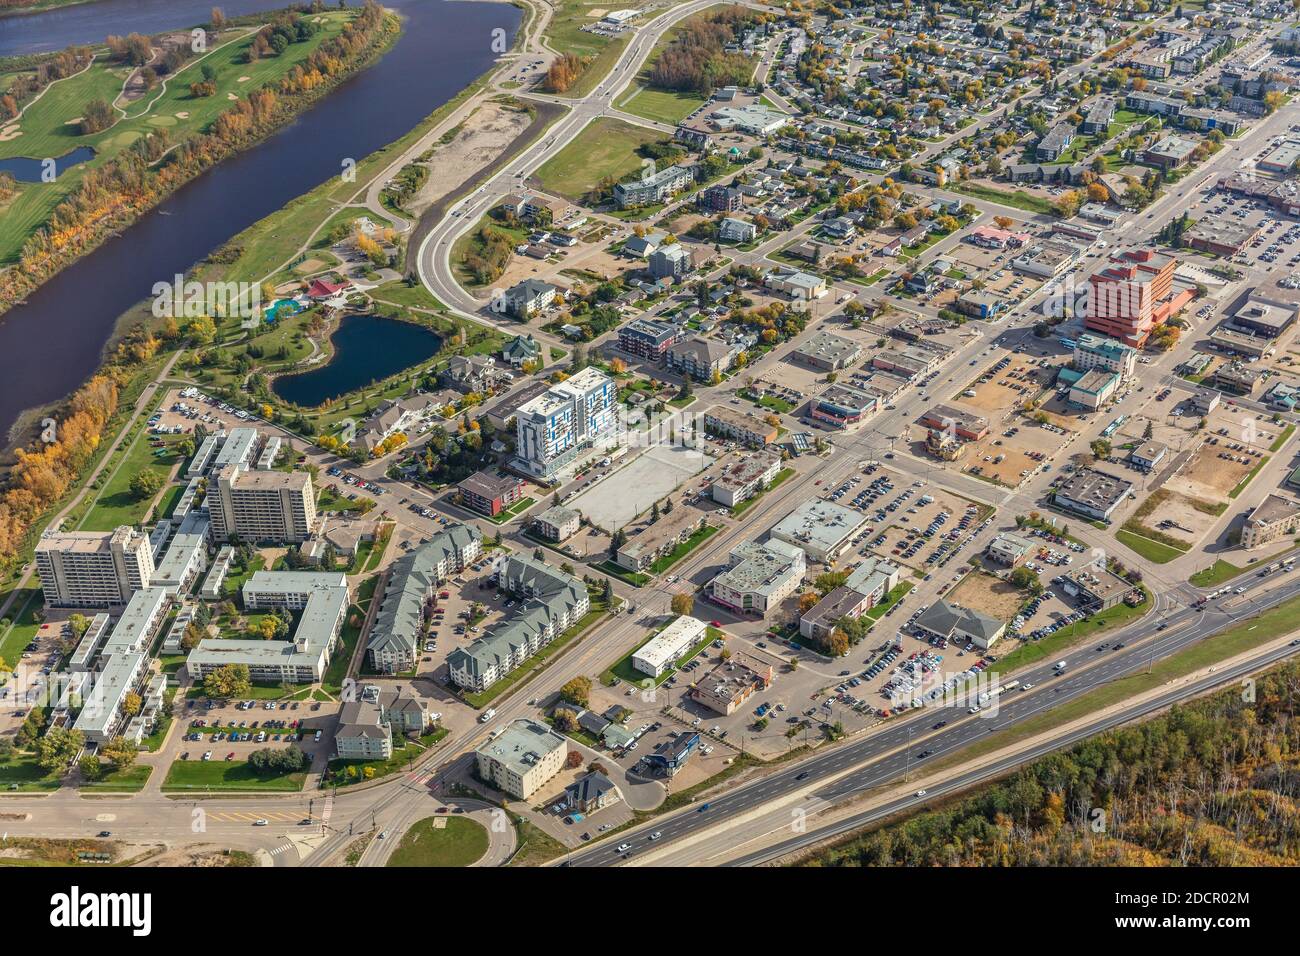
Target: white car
column 920, row 793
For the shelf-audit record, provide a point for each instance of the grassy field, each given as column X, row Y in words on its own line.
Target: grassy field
column 21, row 770
column 441, row 841
column 227, row 775
column 48, row 129
column 605, row 147
column 1215, row 574
column 662, row 564
column 130, row 780
column 1019, row 199
column 665, row 106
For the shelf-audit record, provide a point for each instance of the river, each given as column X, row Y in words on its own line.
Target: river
column 49, row 346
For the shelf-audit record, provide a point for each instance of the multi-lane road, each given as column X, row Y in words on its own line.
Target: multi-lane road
column 890, row 754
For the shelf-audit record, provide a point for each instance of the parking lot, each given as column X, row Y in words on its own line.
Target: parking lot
column 914, row 524
column 235, row 730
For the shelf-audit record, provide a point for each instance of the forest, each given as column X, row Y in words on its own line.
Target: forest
column 1211, row 783
column 696, row 60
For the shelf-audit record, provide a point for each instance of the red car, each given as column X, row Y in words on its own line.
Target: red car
column 715, row 624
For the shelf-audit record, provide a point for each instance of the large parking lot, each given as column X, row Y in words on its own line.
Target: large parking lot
column 235, row 730
column 914, row 524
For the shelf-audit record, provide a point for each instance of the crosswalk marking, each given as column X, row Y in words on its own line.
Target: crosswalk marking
column 233, row 816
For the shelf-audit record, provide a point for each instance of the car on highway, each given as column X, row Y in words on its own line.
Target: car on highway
column 803, row 776
column 261, row 822
column 622, row 848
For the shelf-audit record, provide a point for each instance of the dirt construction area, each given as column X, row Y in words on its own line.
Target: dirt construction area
column 479, row 140
column 1178, row 515
column 990, row 594
column 1236, row 444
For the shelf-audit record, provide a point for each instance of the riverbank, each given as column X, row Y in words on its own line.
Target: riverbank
column 240, row 127
column 39, row 6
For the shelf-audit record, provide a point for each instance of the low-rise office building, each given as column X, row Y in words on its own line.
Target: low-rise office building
column 759, row 577
column 960, row 625
column 658, row 654
column 1275, row 518
column 1094, row 494
column 820, row 528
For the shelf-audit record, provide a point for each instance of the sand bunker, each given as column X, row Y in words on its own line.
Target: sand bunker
column 74, row 121
column 183, row 114
column 231, row 96
column 244, row 79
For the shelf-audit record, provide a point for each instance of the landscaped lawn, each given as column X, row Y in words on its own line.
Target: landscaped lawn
column 1149, row 548
column 130, row 780
column 605, row 147
column 662, row 564
column 114, row 504
column 227, row 775
column 441, row 841
column 1215, row 574
column 21, row 769
column 518, row 508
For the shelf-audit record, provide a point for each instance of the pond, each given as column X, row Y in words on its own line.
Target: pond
column 367, row 348
column 28, row 170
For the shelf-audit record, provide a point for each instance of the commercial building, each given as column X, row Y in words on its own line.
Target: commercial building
column 820, row 528
column 1094, row 494
column 1009, row 549
column 553, row 428
column 1133, row 295
column 1098, row 352
column 393, row 643
column 865, row 587
column 726, row 687
column 1045, row 259
column 1261, row 316
column 745, row 478
column 489, row 492
column 261, row 505
column 522, row 758
column 739, row 426
column 960, row 625
column 1096, row 588
column 759, row 577
column 1148, row 455
column 1220, row 236
column 91, row 568
column 1236, row 378
column 1275, row 518
column 843, row 406
column 1170, row 152
column 557, row 523
column 956, row 422
column 827, row 353
column 1093, row 389
column 801, row 286
column 550, row 602
column 658, row 654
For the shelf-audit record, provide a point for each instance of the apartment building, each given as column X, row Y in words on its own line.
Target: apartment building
column 550, row 602
column 522, row 758
column 1098, row 352
column 553, row 428
column 759, row 576
column 745, row 478
column 393, row 643
column 261, row 505
column 739, row 426
column 92, row 568
column 651, row 542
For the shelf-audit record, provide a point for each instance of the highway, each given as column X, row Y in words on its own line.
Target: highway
column 890, row 754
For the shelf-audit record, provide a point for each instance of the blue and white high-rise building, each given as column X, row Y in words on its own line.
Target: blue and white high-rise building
column 553, row 428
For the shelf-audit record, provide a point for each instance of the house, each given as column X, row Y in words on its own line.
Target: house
column 521, row 349
column 591, row 792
